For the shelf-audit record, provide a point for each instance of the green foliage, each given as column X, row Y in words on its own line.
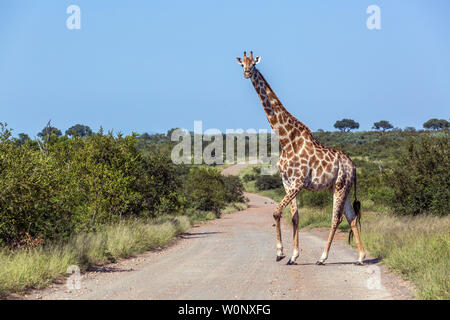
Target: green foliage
column 234, row 190
column 22, row 139
column 5, row 133
column 436, row 124
column 267, row 182
column 78, row 184
column 421, row 178
column 49, row 131
column 249, row 177
column 205, row 189
column 79, row 130
column 319, row 199
column 61, row 186
column 34, row 195
column 346, row 125
column 382, row 125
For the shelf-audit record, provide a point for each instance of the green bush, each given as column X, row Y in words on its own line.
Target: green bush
column 73, row 185
column 234, row 189
column 36, row 195
column 205, row 189
column 249, row 177
column 267, row 182
column 315, row 198
column 421, row 178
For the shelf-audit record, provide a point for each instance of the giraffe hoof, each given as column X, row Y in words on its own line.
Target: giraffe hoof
column 280, row 258
column 358, row 263
column 320, row 263
column 290, row 262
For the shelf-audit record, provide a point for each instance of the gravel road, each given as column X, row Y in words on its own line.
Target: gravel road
column 234, row 258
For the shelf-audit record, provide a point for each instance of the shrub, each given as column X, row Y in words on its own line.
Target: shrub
column 267, row 182
column 234, row 190
column 77, row 184
column 421, row 178
column 315, row 198
column 37, row 195
column 205, row 189
column 249, row 177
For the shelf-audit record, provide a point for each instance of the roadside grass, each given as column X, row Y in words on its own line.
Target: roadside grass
column 236, row 206
column 417, row 247
column 35, row 268
column 22, row 269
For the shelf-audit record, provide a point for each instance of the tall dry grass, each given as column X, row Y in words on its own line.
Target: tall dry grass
column 417, row 247
column 22, row 269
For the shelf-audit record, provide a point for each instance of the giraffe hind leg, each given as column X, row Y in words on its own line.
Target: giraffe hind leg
column 353, row 222
column 339, row 196
column 334, row 224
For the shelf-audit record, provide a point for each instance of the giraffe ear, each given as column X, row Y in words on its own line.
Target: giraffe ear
column 239, row 60
column 257, row 60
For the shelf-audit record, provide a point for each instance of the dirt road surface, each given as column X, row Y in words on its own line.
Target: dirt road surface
column 234, row 258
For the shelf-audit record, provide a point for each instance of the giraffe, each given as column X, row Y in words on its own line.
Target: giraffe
column 304, row 163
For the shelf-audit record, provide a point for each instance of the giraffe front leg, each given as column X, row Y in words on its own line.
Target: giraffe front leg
column 280, row 254
column 277, row 216
column 294, row 214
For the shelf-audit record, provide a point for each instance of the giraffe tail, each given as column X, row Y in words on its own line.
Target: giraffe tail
column 357, row 208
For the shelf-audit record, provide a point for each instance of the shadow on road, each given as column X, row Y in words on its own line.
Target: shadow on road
column 193, row 235
column 105, row 269
column 366, row 262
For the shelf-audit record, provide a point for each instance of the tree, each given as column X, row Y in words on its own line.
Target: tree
column 346, row 125
column 5, row 133
column 436, row 124
column 49, row 131
column 22, row 139
column 79, row 130
column 170, row 131
column 145, row 136
column 410, row 129
column 382, row 125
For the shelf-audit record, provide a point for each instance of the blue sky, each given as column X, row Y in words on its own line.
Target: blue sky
column 154, row 65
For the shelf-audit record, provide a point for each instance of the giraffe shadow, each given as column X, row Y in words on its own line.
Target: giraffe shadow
column 366, row 262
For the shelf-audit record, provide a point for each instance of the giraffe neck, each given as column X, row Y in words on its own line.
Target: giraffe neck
column 281, row 121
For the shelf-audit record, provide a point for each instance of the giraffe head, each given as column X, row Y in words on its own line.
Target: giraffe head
column 248, row 63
